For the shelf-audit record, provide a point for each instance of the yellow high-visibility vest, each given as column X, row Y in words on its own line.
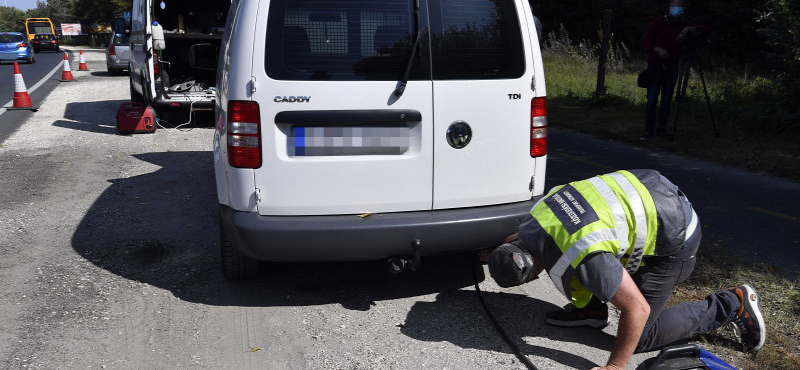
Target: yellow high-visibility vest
column 612, row 213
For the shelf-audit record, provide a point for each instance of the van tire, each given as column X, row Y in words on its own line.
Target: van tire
column 235, row 266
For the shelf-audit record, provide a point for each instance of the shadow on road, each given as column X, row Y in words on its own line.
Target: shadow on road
column 457, row 317
column 161, row 228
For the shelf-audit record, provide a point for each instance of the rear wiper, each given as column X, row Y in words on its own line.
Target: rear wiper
column 398, row 92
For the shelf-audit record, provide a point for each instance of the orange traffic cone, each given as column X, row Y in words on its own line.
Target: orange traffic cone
column 66, row 76
column 21, row 98
column 82, row 65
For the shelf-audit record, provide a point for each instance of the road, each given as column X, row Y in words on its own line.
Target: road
column 744, row 215
column 39, row 78
column 109, row 258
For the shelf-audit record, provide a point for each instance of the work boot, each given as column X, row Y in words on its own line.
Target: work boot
column 748, row 323
column 573, row 316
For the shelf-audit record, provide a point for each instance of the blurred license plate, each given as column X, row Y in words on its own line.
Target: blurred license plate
column 305, row 141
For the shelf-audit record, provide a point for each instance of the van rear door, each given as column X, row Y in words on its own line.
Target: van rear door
column 335, row 139
column 483, row 73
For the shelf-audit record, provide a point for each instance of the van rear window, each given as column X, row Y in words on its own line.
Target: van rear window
column 351, row 40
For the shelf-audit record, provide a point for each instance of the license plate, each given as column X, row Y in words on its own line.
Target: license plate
column 305, row 141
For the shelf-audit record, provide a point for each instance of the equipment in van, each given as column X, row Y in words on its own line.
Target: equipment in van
column 135, row 118
column 158, row 37
column 175, row 38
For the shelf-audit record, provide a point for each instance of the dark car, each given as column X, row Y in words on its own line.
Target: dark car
column 45, row 41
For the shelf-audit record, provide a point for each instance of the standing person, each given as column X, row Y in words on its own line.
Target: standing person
column 628, row 238
column 663, row 43
column 538, row 25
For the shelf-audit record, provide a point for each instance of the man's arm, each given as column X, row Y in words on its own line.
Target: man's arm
column 634, row 312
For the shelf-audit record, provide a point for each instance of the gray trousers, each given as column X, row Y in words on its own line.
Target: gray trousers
column 685, row 320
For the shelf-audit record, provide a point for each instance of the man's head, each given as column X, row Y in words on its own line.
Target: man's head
column 676, row 8
column 510, row 265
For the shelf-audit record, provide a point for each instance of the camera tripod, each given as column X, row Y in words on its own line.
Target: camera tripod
column 687, row 57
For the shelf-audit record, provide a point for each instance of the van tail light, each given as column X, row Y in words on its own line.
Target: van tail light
column 35, row 42
column 244, row 134
column 112, row 50
column 538, row 126
column 156, row 64
column 53, row 42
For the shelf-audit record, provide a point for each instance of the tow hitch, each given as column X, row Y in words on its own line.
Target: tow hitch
column 397, row 265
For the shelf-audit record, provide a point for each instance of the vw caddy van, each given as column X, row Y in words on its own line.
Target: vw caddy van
column 364, row 130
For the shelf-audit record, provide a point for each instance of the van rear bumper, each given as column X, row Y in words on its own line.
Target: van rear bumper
column 351, row 238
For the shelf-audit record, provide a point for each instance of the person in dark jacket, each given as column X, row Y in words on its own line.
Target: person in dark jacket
column 663, row 41
column 628, row 238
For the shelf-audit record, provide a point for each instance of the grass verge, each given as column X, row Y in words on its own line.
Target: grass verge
column 780, row 304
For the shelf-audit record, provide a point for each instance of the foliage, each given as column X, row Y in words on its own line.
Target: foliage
column 101, row 10
column 760, row 37
column 750, row 111
column 40, row 11
column 12, row 19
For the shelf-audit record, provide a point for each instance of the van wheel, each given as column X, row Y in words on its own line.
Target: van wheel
column 236, row 266
column 135, row 96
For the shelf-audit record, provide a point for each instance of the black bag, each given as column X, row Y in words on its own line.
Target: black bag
column 647, row 77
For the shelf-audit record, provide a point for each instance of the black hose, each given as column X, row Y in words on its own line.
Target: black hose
column 497, row 326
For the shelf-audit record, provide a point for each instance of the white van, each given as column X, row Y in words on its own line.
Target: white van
column 363, row 130
column 177, row 69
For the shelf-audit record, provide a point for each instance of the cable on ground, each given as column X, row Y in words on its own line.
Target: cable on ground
column 497, row 326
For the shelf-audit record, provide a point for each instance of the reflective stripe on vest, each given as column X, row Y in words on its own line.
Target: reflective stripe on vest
column 641, row 222
column 574, row 251
column 573, row 254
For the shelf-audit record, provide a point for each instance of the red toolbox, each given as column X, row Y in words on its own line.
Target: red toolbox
column 135, row 118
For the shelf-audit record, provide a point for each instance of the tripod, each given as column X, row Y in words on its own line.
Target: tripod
column 687, row 57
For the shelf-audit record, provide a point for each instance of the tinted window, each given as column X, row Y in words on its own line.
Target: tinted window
column 371, row 40
column 340, row 40
column 122, row 39
column 476, row 39
column 11, row 38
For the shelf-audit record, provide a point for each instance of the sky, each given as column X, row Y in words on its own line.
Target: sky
column 19, row 4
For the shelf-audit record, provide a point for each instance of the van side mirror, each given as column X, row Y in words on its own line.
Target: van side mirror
column 119, row 25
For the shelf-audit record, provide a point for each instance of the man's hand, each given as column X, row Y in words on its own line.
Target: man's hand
column 634, row 311
column 607, row 367
column 485, row 252
column 661, row 52
column 685, row 31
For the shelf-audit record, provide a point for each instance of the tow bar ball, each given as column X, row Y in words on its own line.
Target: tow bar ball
column 397, row 265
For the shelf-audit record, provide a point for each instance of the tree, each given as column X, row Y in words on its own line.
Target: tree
column 40, row 11
column 12, row 19
column 61, row 11
column 101, row 10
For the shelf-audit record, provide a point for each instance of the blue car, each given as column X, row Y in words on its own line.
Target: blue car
column 14, row 46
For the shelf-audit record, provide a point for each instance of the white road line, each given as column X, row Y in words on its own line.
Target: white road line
column 34, row 87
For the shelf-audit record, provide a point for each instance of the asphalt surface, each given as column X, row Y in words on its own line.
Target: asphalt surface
column 109, row 259
column 749, row 216
column 39, row 79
